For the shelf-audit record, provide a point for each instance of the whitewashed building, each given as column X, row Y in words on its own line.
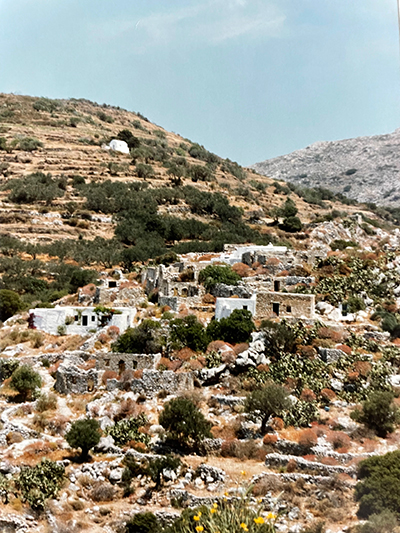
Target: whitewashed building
column 80, row 320
column 225, row 306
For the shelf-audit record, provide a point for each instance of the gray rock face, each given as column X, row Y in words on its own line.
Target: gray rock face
column 364, row 168
column 210, row 474
column 226, row 291
column 330, row 355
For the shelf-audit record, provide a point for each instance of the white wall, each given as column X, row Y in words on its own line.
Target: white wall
column 49, row 320
column 225, row 306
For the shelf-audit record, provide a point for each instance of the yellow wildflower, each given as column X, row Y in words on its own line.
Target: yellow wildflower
column 243, row 472
column 225, row 494
column 244, row 527
column 199, row 528
column 271, row 516
column 196, row 517
column 259, row 520
column 215, row 505
column 213, row 511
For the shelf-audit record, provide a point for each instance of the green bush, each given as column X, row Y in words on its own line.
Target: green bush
column 7, row 367
column 184, row 422
column 188, row 331
column 127, row 430
column 84, row 434
column 379, row 486
column 378, row 413
column 127, row 136
column 271, row 400
column 234, row 329
column 142, row 523
column 279, row 338
column 291, row 224
column 29, row 144
column 10, row 303
column 384, row 522
column 145, row 338
column 152, row 468
column 214, row 274
column 39, row 483
column 37, row 187
column 340, row 244
column 25, row 381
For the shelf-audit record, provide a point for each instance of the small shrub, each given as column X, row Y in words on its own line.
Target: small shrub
column 307, row 395
column 184, row 422
column 10, row 303
column 142, row 523
column 84, row 434
column 103, row 492
column 108, row 374
column 25, row 381
column 384, row 522
column 378, row 413
column 46, row 402
column 29, row 144
column 339, row 440
column 270, row 440
column 308, row 439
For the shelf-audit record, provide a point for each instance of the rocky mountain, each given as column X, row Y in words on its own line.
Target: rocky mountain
column 365, row 168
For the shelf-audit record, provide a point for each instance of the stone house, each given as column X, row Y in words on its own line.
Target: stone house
column 79, row 320
column 285, row 305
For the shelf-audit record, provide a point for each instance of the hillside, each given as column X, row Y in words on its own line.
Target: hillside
column 366, row 168
column 187, row 346
column 71, row 133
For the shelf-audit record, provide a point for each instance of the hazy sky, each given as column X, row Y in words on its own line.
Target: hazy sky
column 249, row 79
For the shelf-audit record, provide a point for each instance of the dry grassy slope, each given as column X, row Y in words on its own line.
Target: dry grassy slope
column 65, row 153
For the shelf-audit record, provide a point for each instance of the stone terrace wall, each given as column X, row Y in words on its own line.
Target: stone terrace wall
column 118, row 362
column 290, row 305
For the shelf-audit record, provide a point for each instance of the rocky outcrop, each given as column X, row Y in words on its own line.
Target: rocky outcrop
column 278, row 460
column 365, row 168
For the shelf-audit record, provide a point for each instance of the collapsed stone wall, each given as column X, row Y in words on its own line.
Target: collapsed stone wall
column 75, row 380
column 154, row 381
column 126, row 297
column 284, row 304
column 118, row 362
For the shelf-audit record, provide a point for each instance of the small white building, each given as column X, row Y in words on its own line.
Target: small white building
column 80, row 320
column 117, row 146
column 225, row 306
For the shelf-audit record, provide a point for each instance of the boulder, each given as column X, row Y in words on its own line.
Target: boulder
column 330, row 355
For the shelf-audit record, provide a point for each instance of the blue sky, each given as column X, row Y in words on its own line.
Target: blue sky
column 249, row 79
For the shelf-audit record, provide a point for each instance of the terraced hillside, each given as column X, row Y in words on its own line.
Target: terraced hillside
column 71, row 134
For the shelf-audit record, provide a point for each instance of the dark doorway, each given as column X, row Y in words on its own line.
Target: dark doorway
column 288, row 308
column 112, row 284
column 84, row 320
column 275, row 309
column 277, row 285
column 121, row 367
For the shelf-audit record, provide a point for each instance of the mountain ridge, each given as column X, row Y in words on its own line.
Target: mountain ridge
column 364, row 168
